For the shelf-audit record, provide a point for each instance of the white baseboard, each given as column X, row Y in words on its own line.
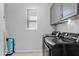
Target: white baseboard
column 28, row 51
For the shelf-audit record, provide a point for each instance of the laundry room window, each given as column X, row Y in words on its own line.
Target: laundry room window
column 31, row 17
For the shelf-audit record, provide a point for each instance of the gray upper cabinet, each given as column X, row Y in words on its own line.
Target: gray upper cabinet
column 62, row 11
column 69, row 9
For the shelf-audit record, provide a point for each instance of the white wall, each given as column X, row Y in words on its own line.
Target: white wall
column 2, row 29
column 72, row 27
column 16, row 25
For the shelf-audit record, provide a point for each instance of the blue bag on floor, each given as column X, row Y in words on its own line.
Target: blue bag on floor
column 10, row 46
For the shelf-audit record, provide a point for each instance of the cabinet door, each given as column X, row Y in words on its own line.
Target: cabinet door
column 52, row 14
column 58, row 11
column 69, row 9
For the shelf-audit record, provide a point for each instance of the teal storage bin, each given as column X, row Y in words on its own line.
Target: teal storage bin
column 10, row 46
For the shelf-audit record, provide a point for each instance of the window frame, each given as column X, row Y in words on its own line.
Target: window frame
column 27, row 21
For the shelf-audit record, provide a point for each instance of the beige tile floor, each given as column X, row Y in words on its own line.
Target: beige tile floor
column 27, row 54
